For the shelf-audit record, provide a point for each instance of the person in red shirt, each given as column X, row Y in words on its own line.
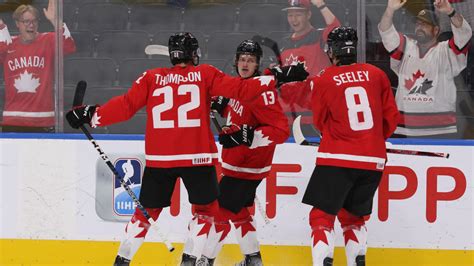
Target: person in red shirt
column 249, row 138
column 178, row 139
column 28, row 65
column 305, row 44
column 355, row 111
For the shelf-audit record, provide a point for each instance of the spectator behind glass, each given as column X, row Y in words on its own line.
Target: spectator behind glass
column 426, row 93
column 464, row 82
column 306, row 43
column 28, row 63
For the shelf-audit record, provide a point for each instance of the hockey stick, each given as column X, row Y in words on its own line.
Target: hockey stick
column 257, row 201
column 78, row 98
column 265, row 41
column 156, row 49
column 301, row 140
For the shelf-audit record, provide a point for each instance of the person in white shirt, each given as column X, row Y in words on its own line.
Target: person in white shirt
column 426, row 93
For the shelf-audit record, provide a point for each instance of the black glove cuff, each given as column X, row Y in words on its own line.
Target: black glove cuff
column 247, row 135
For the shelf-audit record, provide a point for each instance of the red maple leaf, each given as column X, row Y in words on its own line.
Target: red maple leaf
column 350, row 235
column 224, row 228
column 409, row 82
column 319, row 235
column 246, row 227
column 205, row 229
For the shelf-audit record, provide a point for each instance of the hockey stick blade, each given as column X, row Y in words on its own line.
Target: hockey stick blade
column 265, row 41
column 298, row 134
column 301, row 140
column 79, row 93
column 156, row 49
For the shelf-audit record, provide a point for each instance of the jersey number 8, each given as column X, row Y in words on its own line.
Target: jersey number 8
column 354, row 108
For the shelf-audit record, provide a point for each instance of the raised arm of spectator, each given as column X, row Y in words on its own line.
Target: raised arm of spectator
column 387, row 19
column 390, row 37
column 462, row 31
column 68, row 42
column 5, row 39
column 327, row 14
column 50, row 12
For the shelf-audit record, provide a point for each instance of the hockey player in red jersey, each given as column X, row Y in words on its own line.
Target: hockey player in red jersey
column 178, row 139
column 354, row 108
column 28, row 66
column 249, row 138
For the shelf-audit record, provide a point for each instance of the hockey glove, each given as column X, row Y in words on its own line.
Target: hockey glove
column 233, row 136
column 289, row 73
column 218, row 104
column 80, row 115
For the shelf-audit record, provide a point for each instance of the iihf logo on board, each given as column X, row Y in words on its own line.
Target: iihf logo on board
column 131, row 171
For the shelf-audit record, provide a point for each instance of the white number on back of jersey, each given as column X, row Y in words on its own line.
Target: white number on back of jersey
column 183, row 110
column 140, row 78
column 183, row 120
column 355, row 108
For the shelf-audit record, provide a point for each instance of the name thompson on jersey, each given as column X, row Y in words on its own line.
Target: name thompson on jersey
column 177, row 78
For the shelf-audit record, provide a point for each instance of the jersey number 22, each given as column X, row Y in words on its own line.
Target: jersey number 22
column 182, row 117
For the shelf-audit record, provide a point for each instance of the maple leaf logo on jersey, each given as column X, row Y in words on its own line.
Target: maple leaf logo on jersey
column 265, row 80
column 294, row 60
column 259, row 140
column 418, row 85
column 26, row 83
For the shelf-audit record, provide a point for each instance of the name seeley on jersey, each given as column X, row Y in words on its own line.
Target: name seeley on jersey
column 352, row 76
column 177, row 78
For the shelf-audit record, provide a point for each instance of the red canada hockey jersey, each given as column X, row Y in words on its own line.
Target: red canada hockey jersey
column 265, row 115
column 354, row 108
column 29, row 78
column 177, row 101
column 309, row 47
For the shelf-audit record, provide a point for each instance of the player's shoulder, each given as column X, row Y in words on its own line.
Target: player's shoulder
column 327, row 71
column 371, row 68
column 206, row 66
column 158, row 70
column 321, row 73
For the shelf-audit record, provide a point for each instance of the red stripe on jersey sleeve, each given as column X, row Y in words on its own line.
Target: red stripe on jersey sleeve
column 397, row 54
column 456, row 50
